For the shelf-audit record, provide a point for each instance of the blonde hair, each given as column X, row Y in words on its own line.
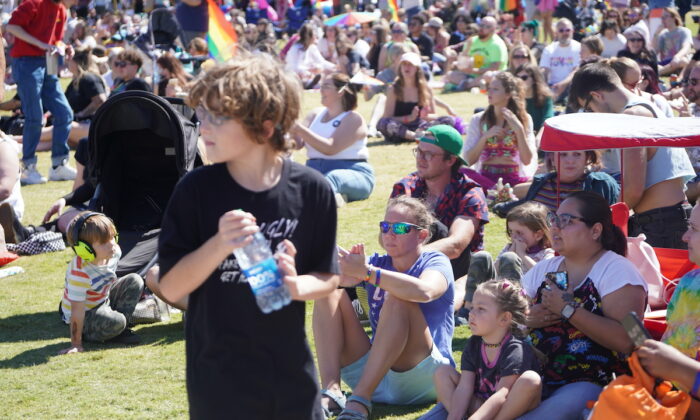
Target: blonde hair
column 509, row 297
column 416, row 208
column 252, row 89
column 97, row 229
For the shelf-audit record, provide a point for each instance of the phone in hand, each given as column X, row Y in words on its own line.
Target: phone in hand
column 560, row 278
column 635, row 329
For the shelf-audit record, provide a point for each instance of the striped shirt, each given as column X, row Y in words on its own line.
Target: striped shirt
column 547, row 195
column 89, row 283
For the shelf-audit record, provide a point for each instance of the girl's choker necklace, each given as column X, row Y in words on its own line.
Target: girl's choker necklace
column 491, row 346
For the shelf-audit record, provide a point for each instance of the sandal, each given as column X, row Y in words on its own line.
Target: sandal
column 339, row 400
column 350, row 414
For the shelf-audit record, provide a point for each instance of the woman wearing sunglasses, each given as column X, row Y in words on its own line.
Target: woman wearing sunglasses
column 538, row 97
column 575, row 321
column 636, row 49
column 410, row 293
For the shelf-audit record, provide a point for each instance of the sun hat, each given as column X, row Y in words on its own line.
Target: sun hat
column 412, row 58
column 445, row 137
column 435, row 22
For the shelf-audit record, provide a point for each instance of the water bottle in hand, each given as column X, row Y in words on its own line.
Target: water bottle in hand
column 260, row 269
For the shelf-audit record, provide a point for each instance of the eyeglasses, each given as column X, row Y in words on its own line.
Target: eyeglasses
column 635, row 39
column 121, row 63
column 524, row 77
column 204, row 115
column 521, row 57
column 399, row 228
column 421, row 154
column 562, row 220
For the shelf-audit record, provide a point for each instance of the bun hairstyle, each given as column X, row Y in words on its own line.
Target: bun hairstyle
column 595, row 209
column 342, row 82
column 509, row 297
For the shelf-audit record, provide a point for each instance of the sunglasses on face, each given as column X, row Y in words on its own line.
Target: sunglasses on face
column 521, row 57
column 399, row 228
column 564, row 30
column 204, row 115
column 397, row 31
column 636, row 39
column 121, row 63
column 562, row 220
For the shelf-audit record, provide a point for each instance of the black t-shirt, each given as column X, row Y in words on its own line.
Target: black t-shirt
column 240, row 362
column 515, row 358
column 90, row 85
column 133, row 84
column 424, row 44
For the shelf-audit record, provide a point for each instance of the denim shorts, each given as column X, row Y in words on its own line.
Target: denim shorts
column 414, row 386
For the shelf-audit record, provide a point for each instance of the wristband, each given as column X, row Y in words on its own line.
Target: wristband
column 379, row 278
column 369, row 274
column 696, row 384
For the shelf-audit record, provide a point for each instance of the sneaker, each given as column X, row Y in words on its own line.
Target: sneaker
column 128, row 336
column 62, row 172
column 340, row 199
column 31, row 176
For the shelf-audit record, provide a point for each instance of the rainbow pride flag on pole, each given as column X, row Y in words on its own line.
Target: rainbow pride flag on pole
column 221, row 38
column 394, row 8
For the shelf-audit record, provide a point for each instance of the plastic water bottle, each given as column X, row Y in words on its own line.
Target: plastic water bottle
column 260, row 269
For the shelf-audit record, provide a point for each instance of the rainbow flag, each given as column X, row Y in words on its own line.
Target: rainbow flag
column 221, row 38
column 394, row 7
column 508, row 5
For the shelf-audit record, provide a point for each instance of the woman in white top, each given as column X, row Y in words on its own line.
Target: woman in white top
column 575, row 322
column 613, row 40
column 335, row 137
column 304, row 58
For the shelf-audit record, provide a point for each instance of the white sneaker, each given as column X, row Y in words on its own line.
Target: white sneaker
column 63, row 172
column 31, row 176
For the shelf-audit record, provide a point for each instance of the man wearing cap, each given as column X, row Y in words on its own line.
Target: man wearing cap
column 457, row 202
column 483, row 54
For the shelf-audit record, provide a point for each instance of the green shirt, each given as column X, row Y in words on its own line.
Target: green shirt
column 488, row 52
column 539, row 114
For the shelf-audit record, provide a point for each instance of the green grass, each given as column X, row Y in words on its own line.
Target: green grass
column 148, row 380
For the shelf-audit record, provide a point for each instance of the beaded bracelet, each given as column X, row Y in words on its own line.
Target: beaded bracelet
column 369, row 274
column 696, row 384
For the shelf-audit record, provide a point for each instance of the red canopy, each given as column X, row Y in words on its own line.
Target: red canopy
column 591, row 131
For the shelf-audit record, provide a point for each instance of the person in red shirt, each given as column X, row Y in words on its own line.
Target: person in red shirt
column 38, row 26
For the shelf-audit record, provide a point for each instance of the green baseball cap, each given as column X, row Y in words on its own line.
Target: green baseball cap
column 445, row 137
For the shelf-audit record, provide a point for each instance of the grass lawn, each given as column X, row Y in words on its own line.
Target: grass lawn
column 148, row 380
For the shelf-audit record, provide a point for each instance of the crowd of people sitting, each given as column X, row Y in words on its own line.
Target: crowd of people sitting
column 538, row 347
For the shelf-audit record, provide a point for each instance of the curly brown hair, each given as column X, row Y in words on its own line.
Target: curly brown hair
column 513, row 86
column 252, row 89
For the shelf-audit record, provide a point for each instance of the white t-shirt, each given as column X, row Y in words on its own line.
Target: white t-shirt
column 560, row 61
column 610, row 48
column 610, row 273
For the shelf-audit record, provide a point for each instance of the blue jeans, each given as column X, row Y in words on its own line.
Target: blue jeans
column 566, row 403
column 352, row 178
column 38, row 90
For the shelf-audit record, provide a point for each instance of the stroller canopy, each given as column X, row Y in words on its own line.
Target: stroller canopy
column 139, row 147
column 591, row 131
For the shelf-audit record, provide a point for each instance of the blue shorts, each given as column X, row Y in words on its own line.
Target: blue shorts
column 414, row 386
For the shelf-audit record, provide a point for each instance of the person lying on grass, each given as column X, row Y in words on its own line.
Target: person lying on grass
column 411, row 299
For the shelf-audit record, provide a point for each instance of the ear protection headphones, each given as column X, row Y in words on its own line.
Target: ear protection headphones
column 82, row 248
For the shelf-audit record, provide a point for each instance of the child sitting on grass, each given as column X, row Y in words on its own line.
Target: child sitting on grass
column 499, row 378
column 96, row 304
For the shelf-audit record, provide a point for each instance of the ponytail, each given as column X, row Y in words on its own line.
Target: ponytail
column 594, row 209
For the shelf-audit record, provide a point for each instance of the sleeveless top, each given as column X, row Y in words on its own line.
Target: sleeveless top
column 496, row 147
column 355, row 151
column 668, row 162
column 404, row 108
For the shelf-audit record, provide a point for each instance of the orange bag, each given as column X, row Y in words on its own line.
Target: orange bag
column 632, row 397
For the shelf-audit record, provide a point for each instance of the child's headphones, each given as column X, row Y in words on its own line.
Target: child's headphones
column 81, row 248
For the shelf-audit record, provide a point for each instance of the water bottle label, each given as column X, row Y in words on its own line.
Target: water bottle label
column 264, row 276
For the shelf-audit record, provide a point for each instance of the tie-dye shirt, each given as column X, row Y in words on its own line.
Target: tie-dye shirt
column 683, row 316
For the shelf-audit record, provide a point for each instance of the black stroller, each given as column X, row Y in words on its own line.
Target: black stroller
column 140, row 145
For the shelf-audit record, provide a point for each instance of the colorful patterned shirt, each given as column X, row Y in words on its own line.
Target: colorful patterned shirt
column 88, row 283
column 683, row 316
column 462, row 197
